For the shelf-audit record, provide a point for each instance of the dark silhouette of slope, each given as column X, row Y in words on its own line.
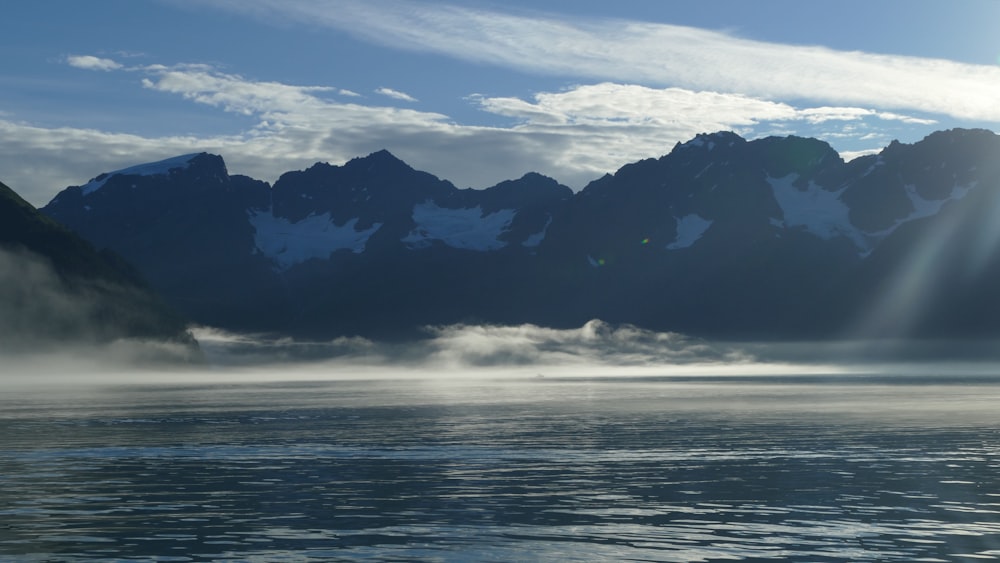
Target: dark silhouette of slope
column 58, row 290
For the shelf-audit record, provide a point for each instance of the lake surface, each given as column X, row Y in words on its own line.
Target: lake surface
column 811, row 468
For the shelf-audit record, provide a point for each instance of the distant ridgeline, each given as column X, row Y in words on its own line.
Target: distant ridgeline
column 56, row 289
column 722, row 238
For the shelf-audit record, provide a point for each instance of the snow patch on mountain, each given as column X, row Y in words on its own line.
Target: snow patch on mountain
column 148, row 169
column 690, row 228
column 925, row 207
column 316, row 236
column 822, row 212
column 928, row 207
column 464, row 228
column 537, row 238
column 818, row 211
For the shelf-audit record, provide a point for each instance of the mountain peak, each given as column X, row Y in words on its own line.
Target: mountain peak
column 382, row 153
column 380, row 157
column 157, row 168
column 711, row 140
column 804, row 156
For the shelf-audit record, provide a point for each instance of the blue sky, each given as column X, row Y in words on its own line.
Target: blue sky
column 474, row 91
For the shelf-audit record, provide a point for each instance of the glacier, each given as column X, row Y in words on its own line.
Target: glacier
column 463, row 228
column 287, row 243
column 690, row 228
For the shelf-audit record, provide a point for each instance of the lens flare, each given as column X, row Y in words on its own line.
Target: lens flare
column 955, row 249
column 899, row 304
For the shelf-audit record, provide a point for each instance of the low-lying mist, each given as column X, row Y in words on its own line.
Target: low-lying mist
column 596, row 367
column 593, row 368
column 594, row 349
column 49, row 328
column 78, row 324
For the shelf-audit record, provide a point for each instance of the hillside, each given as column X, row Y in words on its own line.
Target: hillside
column 57, row 290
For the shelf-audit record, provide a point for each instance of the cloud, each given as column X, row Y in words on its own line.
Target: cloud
column 851, row 155
column 627, row 105
column 824, row 114
column 233, row 93
column 395, row 94
column 90, row 62
column 654, row 54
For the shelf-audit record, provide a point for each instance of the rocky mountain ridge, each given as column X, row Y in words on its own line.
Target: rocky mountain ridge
column 722, row 237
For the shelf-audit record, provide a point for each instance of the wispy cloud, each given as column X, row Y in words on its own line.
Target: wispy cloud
column 824, row 114
column 233, row 93
column 395, row 94
column 655, row 54
column 90, row 62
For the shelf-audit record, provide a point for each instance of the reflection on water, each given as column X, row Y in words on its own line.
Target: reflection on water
column 672, row 469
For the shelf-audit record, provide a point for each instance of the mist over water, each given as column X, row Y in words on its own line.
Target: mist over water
column 492, row 443
column 597, row 349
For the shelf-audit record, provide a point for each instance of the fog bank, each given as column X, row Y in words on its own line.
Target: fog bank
column 458, row 348
column 594, row 349
column 46, row 318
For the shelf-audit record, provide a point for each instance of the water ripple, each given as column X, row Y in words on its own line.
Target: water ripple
column 335, row 473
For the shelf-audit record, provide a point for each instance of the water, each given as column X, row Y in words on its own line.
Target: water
column 847, row 468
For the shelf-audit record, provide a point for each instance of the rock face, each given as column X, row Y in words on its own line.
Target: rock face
column 722, row 237
column 56, row 289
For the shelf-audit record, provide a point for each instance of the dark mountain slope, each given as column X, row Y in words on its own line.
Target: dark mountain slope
column 57, row 289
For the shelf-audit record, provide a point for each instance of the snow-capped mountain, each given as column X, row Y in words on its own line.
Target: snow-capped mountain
column 232, row 251
column 380, row 202
column 720, row 237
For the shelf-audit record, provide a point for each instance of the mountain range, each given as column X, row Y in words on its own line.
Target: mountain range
column 772, row 238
